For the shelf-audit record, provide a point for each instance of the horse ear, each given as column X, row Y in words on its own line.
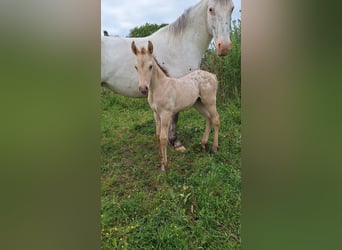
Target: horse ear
column 134, row 48
column 150, row 47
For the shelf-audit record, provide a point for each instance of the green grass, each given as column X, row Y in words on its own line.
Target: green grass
column 194, row 205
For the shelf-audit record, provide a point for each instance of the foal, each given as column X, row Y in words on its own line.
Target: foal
column 167, row 96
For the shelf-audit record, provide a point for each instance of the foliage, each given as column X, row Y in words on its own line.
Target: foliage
column 227, row 69
column 145, row 30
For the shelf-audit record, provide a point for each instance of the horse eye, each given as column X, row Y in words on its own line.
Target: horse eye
column 136, row 67
column 150, row 67
column 212, row 11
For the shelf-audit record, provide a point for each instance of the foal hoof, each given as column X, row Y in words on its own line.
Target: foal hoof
column 214, row 150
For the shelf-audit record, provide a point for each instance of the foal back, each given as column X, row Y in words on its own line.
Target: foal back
column 204, row 84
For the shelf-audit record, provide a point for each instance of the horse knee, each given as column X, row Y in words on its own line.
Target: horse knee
column 216, row 120
column 163, row 149
column 172, row 133
column 163, row 140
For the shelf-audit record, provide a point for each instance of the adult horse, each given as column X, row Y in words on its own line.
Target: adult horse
column 179, row 49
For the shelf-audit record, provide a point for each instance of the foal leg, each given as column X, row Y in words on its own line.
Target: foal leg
column 204, row 111
column 164, row 128
column 215, row 120
column 173, row 134
column 157, row 119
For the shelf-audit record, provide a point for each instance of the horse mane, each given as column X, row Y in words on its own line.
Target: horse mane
column 178, row 26
column 161, row 67
column 223, row 2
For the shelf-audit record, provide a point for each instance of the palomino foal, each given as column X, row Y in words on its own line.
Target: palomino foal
column 167, row 96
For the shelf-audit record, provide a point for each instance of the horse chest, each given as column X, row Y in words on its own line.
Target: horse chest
column 162, row 102
column 152, row 100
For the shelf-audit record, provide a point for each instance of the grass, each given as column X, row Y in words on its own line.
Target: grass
column 195, row 205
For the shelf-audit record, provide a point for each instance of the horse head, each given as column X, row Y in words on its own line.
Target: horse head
column 219, row 15
column 143, row 65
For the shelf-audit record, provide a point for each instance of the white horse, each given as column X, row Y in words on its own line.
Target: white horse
column 179, row 49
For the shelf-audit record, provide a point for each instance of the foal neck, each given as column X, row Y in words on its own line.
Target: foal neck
column 159, row 75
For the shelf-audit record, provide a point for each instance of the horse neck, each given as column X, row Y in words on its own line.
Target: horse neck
column 197, row 31
column 194, row 35
column 159, row 78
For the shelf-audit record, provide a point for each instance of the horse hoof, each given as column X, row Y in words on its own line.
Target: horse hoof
column 204, row 148
column 180, row 148
column 162, row 169
column 214, row 150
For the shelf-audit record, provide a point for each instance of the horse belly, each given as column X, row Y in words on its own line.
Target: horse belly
column 124, row 87
column 124, row 80
column 186, row 97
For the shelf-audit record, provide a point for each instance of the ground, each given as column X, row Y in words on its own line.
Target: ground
column 194, row 205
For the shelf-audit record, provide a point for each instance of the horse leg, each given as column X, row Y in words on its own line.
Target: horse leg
column 164, row 128
column 204, row 111
column 206, row 133
column 173, row 134
column 157, row 119
column 215, row 120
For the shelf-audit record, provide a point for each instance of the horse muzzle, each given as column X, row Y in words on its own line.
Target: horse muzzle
column 223, row 47
column 143, row 89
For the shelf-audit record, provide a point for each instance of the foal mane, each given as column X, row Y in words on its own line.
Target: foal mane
column 161, row 67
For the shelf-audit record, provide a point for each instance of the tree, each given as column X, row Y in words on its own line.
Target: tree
column 145, row 30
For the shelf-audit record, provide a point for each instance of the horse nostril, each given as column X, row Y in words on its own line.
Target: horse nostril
column 143, row 89
column 223, row 47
